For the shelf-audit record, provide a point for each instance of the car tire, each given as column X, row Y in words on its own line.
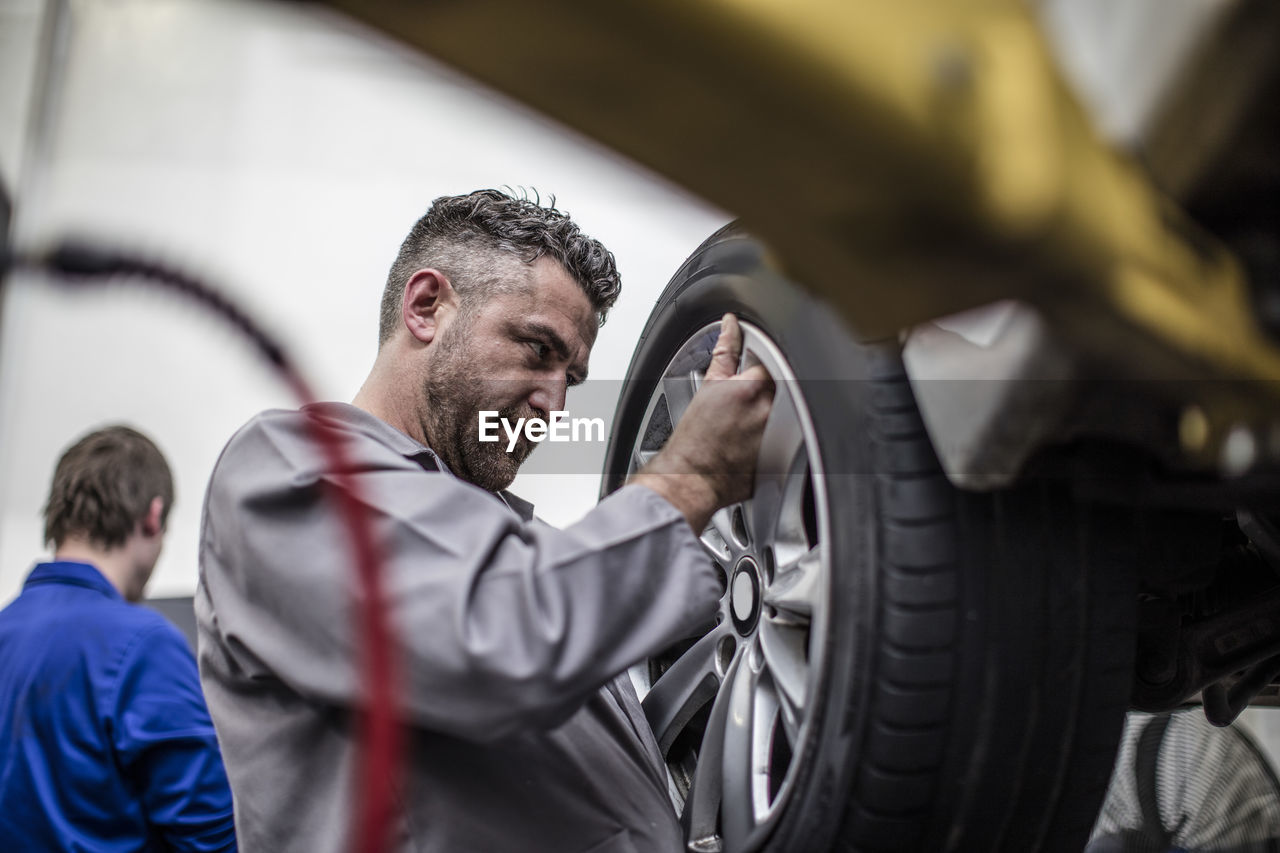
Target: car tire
column 966, row 686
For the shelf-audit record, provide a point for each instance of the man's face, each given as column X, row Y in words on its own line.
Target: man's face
column 514, row 354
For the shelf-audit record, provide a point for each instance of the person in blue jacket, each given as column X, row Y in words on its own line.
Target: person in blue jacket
column 105, row 740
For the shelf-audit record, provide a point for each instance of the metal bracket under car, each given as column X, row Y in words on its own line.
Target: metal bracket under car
column 991, row 386
column 1230, row 657
column 1221, row 643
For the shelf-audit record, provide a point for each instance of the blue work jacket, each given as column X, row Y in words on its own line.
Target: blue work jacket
column 105, row 740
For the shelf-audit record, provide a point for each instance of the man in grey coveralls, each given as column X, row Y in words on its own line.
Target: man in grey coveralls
column 525, row 733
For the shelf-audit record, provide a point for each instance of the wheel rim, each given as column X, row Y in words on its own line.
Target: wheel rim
column 731, row 709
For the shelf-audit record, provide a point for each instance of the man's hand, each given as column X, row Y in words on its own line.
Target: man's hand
column 710, row 459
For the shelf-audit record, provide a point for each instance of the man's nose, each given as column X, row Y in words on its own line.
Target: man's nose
column 549, row 396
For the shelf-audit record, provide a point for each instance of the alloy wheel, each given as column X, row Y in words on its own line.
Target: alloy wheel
column 731, row 708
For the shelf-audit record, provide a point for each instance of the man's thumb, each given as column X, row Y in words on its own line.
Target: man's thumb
column 728, row 349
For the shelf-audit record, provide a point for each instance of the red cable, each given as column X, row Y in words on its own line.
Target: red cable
column 380, row 732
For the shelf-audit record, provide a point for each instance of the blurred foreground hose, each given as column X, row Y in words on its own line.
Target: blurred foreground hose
column 82, row 264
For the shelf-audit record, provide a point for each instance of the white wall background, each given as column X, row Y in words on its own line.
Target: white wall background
column 284, row 152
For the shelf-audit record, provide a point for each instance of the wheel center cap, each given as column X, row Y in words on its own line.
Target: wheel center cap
column 744, row 595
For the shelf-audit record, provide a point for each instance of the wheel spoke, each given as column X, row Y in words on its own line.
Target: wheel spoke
column 783, row 438
column 780, row 447
column 679, row 390
column 641, row 458
column 722, row 525
column 765, row 506
column 702, row 807
column 797, row 587
column 737, row 807
column 677, row 695
column 792, row 716
column 784, row 647
column 714, row 544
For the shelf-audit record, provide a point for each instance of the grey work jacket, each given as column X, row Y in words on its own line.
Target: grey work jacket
column 512, row 635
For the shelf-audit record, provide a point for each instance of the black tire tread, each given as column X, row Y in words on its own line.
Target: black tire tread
column 915, row 502
column 921, row 569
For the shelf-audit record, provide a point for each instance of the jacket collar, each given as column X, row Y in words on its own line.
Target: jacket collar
column 70, row 573
column 376, row 428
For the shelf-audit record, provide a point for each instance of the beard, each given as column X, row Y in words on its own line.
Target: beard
column 455, row 397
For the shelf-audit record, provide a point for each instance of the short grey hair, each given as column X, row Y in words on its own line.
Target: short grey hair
column 468, row 237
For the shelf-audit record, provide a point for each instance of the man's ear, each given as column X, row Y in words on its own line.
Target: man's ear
column 152, row 522
column 428, row 296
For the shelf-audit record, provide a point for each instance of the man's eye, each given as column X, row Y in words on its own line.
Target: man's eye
column 540, row 349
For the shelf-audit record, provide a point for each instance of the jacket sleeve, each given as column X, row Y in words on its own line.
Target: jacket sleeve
column 165, row 743
column 502, row 624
